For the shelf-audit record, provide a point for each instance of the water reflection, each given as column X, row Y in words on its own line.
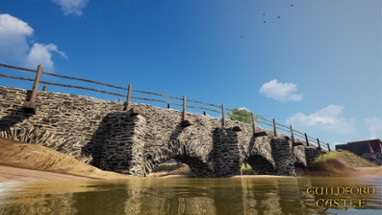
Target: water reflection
column 179, row 196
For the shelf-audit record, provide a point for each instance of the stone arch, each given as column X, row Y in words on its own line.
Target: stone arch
column 187, row 143
column 196, row 164
column 153, row 159
column 260, row 165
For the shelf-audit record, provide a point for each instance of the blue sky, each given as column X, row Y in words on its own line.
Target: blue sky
column 315, row 64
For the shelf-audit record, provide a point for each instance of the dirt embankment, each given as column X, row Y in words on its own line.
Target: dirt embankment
column 342, row 163
column 30, row 162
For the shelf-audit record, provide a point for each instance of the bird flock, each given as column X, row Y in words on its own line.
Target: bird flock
column 278, row 17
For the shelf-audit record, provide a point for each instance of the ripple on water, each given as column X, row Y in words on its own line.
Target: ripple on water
column 179, row 196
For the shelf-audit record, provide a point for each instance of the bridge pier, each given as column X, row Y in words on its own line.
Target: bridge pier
column 225, row 152
column 122, row 147
column 283, row 156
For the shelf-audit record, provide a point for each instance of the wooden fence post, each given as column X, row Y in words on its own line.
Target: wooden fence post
column 184, row 108
column 223, row 121
column 31, row 104
column 291, row 133
column 328, row 146
column 318, row 142
column 129, row 88
column 306, row 139
column 253, row 123
column 274, row 128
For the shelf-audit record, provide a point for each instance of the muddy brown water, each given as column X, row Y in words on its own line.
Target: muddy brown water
column 251, row 195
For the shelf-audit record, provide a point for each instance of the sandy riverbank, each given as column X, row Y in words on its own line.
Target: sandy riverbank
column 14, row 174
column 30, row 162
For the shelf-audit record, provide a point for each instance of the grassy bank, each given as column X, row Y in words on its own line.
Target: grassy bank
column 337, row 163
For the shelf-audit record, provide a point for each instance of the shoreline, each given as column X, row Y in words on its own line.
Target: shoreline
column 11, row 174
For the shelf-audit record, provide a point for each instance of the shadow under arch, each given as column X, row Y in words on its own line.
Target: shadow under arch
column 299, row 165
column 179, row 151
column 197, row 166
column 260, row 165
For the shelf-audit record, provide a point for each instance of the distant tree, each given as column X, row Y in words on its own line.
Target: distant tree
column 243, row 115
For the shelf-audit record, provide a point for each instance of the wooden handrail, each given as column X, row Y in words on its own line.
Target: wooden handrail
column 17, row 67
column 272, row 123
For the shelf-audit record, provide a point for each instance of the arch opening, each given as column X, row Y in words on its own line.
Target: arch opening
column 183, row 165
column 260, row 165
column 172, row 167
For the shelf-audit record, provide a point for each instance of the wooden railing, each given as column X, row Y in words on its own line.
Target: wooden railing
column 169, row 101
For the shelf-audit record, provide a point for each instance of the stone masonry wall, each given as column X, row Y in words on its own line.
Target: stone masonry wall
column 134, row 142
column 63, row 122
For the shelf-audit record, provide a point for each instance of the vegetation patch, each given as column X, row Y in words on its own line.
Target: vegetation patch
column 167, row 166
column 337, row 163
column 172, row 168
column 347, row 157
column 246, row 169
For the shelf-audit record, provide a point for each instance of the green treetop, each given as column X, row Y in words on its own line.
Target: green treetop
column 242, row 115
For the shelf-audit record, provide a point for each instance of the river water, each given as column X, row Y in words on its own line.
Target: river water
column 255, row 195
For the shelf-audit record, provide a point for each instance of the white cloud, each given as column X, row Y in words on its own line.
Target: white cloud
column 13, row 39
column 71, row 6
column 15, row 49
column 280, row 91
column 42, row 54
column 328, row 119
column 374, row 125
column 12, row 25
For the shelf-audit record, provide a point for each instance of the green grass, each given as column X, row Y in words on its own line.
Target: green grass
column 326, row 156
column 246, row 170
column 337, row 163
column 345, row 157
column 166, row 166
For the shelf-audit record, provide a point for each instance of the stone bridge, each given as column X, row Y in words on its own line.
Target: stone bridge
column 134, row 142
